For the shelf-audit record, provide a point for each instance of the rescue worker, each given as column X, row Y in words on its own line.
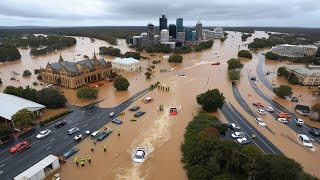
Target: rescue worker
column 89, row 159
column 253, row 136
column 76, row 160
column 105, row 148
column 94, row 142
column 119, row 133
column 82, row 161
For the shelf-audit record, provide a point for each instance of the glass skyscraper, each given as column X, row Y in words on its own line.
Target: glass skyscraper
column 188, row 32
column 179, row 23
column 163, row 23
column 173, row 30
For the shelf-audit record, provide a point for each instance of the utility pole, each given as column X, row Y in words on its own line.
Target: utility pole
column 73, row 55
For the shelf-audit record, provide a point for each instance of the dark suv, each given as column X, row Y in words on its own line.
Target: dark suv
column 134, row 108
column 60, row 124
column 294, row 99
column 315, row 131
column 138, row 114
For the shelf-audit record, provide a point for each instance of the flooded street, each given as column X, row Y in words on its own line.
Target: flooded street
column 159, row 132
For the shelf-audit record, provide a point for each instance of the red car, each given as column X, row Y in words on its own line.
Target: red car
column 258, row 105
column 216, row 63
column 19, row 147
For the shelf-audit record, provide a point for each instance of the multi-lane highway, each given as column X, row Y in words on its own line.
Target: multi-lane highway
column 234, row 116
column 86, row 118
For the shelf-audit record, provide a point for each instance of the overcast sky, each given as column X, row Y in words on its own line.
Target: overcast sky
column 297, row 13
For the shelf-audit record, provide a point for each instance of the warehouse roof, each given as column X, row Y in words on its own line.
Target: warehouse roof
column 125, row 60
column 10, row 104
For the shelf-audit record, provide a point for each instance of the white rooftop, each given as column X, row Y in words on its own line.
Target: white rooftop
column 10, row 104
column 27, row 174
column 125, row 60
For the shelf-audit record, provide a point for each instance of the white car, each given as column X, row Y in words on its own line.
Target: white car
column 283, row 120
column 139, row 155
column 78, row 137
column 236, row 135
column 261, row 111
column 73, row 130
column 111, row 114
column 260, row 121
column 305, row 140
column 299, row 121
column 269, row 109
column 233, row 126
column 243, row 140
column 43, row 134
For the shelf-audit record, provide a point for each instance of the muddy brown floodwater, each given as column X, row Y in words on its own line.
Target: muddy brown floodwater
column 160, row 133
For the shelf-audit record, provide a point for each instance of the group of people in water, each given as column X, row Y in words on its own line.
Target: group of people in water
column 82, row 160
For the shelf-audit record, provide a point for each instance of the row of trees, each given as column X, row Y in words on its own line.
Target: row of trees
column 234, row 66
column 292, row 78
column 245, row 36
column 272, row 56
column 203, row 45
column 49, row 97
column 52, row 43
column 162, row 48
column 87, row 93
column 245, row 54
column 110, row 51
column 176, row 58
column 206, row 156
column 8, row 52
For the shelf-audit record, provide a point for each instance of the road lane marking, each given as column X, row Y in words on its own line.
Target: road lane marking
column 2, row 165
column 65, row 137
column 52, row 139
column 59, row 135
column 85, row 125
column 48, row 148
column 76, row 124
column 99, row 117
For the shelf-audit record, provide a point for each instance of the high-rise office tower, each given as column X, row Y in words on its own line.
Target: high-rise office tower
column 173, row 30
column 179, row 23
column 150, row 32
column 164, row 36
column 163, row 23
column 188, row 32
column 199, row 31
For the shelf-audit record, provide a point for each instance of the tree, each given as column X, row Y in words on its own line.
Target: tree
column 276, row 167
column 51, row 98
column 208, row 133
column 5, row 131
column 9, row 52
column 26, row 73
column 272, row 56
column 26, row 93
column 282, row 72
column 135, row 55
column 37, row 71
column 87, row 93
column 177, row 58
column 121, row 83
column 234, row 75
column 23, row 117
column 198, row 172
column 245, row 36
column 283, row 91
column 245, row 54
column 211, row 100
column 148, row 75
column 234, row 64
column 0, row 81
column 39, row 77
column 114, row 74
column 111, row 51
column 316, row 108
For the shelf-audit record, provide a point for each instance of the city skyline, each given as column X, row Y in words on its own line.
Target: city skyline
column 128, row 13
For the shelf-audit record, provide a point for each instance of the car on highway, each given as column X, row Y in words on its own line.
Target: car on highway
column 299, row 121
column 314, row 131
column 283, row 115
column 134, row 108
column 253, row 78
column 147, row 100
column 270, row 109
column 305, row 140
column 261, row 111
column 111, row 114
column 43, row 134
column 243, row 140
column 117, row 121
column 69, row 153
column 95, row 134
column 283, row 120
column 140, row 154
column 257, row 104
column 78, row 137
column 294, row 99
column 19, row 147
column 73, row 130
column 139, row 114
column 60, row 124
column 237, row 135
column 102, row 135
column 233, row 126
column 260, row 122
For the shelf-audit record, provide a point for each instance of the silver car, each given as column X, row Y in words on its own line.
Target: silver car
column 73, row 130
column 43, row 134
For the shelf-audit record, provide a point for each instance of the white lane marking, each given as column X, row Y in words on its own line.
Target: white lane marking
column 65, row 137
column 76, row 124
column 85, row 125
column 52, row 139
column 59, row 135
column 243, row 130
column 1, row 172
column 2, row 165
column 253, row 131
column 48, row 148
column 99, row 117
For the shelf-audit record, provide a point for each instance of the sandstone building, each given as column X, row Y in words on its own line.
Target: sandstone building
column 76, row 74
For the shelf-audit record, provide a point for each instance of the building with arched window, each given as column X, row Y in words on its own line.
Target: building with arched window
column 76, row 74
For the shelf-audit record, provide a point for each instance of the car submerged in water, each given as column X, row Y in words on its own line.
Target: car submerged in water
column 140, row 154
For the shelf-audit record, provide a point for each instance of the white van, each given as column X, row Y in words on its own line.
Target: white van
column 95, row 134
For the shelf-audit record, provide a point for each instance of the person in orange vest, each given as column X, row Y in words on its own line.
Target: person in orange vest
column 76, row 160
column 105, row 148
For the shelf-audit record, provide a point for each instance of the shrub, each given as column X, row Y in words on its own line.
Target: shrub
column 283, row 91
column 35, row 83
column 39, row 77
column 37, row 71
column 121, row 83
column 211, row 100
column 272, row 56
column 234, row 64
column 26, row 73
column 245, row 54
column 87, row 93
column 234, row 75
column 177, row 58
column 42, row 123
